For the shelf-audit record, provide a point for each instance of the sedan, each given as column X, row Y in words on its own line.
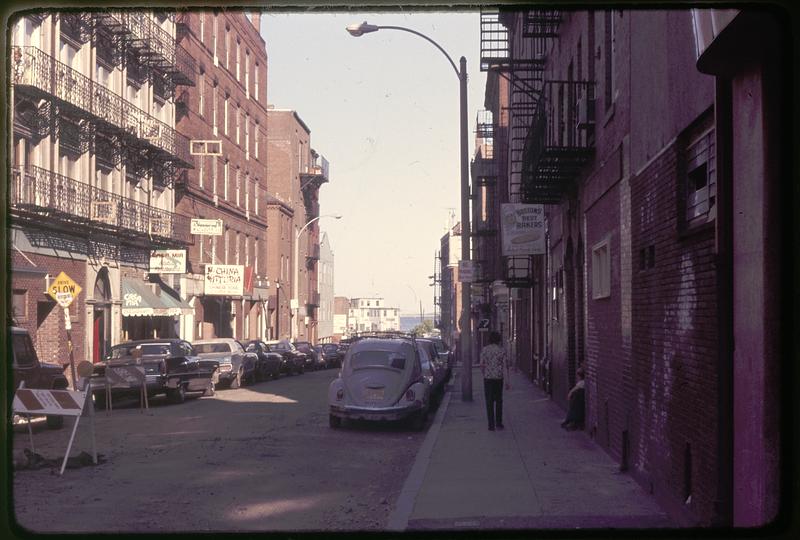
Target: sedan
column 236, row 366
column 332, row 354
column 381, row 379
column 312, row 358
column 268, row 364
column 293, row 360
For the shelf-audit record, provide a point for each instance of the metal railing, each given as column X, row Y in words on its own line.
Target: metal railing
column 158, row 46
column 33, row 67
column 40, row 192
column 556, row 123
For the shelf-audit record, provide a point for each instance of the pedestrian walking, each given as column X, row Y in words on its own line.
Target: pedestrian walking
column 494, row 364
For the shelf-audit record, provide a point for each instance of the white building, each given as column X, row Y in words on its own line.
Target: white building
column 371, row 314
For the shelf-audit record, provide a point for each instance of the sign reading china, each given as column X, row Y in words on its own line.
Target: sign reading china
column 522, row 227
column 224, row 280
column 210, row 227
column 168, row 261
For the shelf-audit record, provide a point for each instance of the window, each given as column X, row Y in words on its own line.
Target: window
column 236, row 250
column 247, row 192
column 255, row 81
column 227, row 245
column 238, row 186
column 247, row 250
column 256, row 247
column 238, row 124
column 225, row 180
column 200, row 162
column 246, row 136
column 701, row 180
column 214, row 176
column 601, row 270
column 19, row 305
column 236, row 56
column 256, row 134
column 202, row 28
column 256, row 195
column 247, row 74
column 225, row 116
column 214, row 40
column 214, row 97
column 228, row 47
column 201, row 87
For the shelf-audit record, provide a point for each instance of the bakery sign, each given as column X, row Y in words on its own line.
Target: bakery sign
column 224, row 280
column 522, row 227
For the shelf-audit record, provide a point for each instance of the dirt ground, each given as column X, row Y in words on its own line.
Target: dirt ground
column 259, row 458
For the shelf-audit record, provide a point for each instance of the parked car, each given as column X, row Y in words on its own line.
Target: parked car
column 236, row 366
column 268, row 363
column 26, row 367
column 171, row 367
column 446, row 356
column 321, row 362
column 381, row 379
column 312, row 358
column 432, row 367
column 294, row 361
column 332, row 355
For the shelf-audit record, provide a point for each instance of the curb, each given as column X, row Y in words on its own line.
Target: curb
column 398, row 519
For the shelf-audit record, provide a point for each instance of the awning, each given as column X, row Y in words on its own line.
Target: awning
column 138, row 300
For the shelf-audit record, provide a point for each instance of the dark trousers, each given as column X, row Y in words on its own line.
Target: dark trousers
column 577, row 409
column 493, row 392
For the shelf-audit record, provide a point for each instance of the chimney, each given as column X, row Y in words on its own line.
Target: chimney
column 257, row 20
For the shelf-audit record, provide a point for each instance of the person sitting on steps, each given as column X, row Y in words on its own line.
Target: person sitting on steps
column 576, row 399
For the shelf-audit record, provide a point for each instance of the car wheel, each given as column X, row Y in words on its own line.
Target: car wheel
column 210, row 390
column 334, row 421
column 177, row 395
column 55, row 422
column 236, row 382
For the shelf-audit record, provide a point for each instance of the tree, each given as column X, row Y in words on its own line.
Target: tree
column 425, row 327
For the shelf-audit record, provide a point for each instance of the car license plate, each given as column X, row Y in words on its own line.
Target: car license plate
column 374, row 394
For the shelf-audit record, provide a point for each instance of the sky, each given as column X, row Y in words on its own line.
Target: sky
column 383, row 110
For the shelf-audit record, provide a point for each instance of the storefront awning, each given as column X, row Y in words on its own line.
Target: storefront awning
column 138, row 300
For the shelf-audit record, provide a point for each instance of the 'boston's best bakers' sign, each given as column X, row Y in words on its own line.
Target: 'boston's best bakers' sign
column 522, row 227
column 224, row 280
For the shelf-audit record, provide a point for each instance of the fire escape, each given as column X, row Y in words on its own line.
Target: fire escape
column 311, row 180
column 520, row 57
column 484, row 198
column 53, row 99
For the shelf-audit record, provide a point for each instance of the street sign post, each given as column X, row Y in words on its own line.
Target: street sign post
column 64, row 290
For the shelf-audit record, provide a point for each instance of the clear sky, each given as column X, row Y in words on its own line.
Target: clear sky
column 383, row 109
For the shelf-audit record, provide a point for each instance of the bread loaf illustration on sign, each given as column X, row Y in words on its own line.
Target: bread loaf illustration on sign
column 526, row 238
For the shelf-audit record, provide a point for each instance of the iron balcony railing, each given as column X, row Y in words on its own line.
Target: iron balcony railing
column 560, row 140
column 32, row 67
column 154, row 44
column 37, row 193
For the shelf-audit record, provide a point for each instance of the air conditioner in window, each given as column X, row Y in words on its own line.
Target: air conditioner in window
column 585, row 112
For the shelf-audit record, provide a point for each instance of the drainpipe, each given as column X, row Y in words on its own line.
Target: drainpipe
column 723, row 500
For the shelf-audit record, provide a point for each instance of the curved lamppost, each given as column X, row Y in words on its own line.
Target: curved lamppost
column 358, row 30
column 295, row 280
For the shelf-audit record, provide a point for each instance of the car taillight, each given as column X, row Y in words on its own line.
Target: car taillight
column 410, row 394
column 339, row 393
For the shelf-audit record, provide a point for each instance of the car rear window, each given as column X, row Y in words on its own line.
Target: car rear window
column 147, row 349
column 330, row 348
column 212, row 347
column 390, row 359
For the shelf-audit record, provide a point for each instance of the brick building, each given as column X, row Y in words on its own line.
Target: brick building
column 95, row 158
column 225, row 118
column 295, row 174
column 604, row 119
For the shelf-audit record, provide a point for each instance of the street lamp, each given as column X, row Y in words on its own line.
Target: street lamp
column 295, row 296
column 358, row 30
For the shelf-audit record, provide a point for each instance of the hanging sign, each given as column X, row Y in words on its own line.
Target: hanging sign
column 224, row 280
column 522, row 228
column 168, row 261
column 210, row 227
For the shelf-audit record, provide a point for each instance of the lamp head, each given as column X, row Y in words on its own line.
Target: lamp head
column 357, row 30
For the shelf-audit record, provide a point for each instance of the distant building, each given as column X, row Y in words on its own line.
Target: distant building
column 450, row 288
column 341, row 307
column 371, row 314
column 325, row 286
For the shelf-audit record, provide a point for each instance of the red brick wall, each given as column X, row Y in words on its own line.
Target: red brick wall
column 606, row 414
column 674, row 345
column 49, row 334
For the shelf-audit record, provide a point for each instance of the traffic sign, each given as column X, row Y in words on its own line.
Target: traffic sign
column 483, row 325
column 64, row 290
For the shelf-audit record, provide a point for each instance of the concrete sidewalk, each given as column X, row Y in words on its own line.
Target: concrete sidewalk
column 531, row 475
